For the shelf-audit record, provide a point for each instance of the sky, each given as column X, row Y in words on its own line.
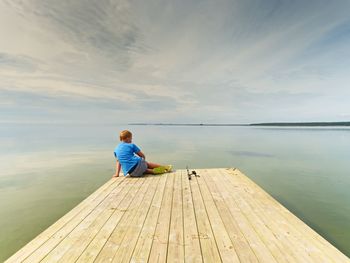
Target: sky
column 126, row 61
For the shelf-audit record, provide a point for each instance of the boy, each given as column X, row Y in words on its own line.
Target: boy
column 132, row 160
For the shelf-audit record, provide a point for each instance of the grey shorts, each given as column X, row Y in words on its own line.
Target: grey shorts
column 139, row 169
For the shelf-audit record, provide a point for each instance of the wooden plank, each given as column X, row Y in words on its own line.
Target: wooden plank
column 243, row 249
column 325, row 246
column 113, row 243
column 94, row 248
column 160, row 243
column 86, row 204
column 143, row 246
column 75, row 242
column 221, row 216
column 293, row 246
column 176, row 231
column 303, row 240
column 314, row 244
column 258, row 246
column 280, row 246
column 193, row 253
column 210, row 252
column 223, row 241
column 57, row 237
column 129, row 241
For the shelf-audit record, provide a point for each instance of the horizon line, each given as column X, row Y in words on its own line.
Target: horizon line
column 316, row 123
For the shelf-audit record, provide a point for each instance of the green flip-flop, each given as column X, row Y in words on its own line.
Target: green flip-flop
column 162, row 169
column 169, row 168
column 159, row 170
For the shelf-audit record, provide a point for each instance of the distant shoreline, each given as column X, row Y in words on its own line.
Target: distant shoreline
column 303, row 124
column 270, row 124
column 187, row 124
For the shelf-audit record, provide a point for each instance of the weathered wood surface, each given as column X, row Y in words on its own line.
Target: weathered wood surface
column 221, row 216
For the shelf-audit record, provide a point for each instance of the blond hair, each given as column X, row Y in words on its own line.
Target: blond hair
column 123, row 135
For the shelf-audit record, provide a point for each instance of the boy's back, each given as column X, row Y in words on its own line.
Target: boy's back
column 132, row 160
column 125, row 153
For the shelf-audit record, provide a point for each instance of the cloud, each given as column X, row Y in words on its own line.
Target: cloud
column 226, row 61
column 102, row 30
column 19, row 63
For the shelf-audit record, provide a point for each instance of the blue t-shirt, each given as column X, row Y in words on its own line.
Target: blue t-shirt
column 125, row 153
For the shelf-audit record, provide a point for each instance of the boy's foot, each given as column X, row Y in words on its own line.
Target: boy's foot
column 168, row 168
column 163, row 169
column 159, row 170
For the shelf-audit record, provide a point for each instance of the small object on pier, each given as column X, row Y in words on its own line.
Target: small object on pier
column 189, row 174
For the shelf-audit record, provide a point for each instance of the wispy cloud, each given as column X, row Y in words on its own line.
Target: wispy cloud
column 18, row 63
column 226, row 61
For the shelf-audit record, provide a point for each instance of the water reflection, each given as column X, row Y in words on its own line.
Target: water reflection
column 47, row 170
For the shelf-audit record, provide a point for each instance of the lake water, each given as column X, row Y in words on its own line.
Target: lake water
column 45, row 170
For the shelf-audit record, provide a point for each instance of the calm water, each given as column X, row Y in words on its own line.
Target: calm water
column 47, row 170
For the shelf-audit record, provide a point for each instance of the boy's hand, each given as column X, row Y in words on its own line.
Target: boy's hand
column 141, row 155
column 117, row 169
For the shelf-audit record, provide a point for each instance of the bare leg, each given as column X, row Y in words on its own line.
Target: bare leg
column 152, row 165
column 149, row 171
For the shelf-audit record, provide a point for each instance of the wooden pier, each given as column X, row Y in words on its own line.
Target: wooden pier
column 221, row 216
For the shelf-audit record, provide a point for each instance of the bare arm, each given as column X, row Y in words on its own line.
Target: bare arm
column 141, row 154
column 117, row 169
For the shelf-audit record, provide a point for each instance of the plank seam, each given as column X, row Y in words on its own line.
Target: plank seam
column 234, row 219
column 114, row 187
column 205, row 207
column 20, row 252
column 103, row 224
column 252, row 227
column 183, row 219
column 297, row 230
column 195, row 216
column 263, row 218
column 232, row 241
column 171, row 210
column 108, row 202
column 143, row 223
column 149, row 253
column 251, row 223
column 139, row 187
